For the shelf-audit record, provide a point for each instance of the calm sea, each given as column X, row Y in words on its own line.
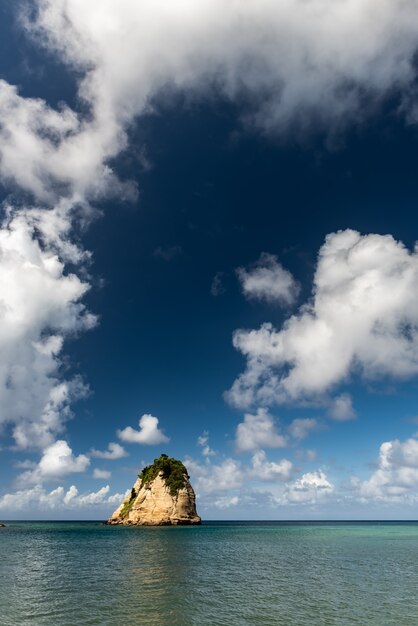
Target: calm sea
column 219, row 574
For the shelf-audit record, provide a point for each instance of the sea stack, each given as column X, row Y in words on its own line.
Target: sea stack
column 161, row 496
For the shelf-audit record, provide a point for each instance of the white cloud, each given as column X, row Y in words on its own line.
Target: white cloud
column 148, row 432
column 26, row 464
column 29, row 134
column 102, row 474
column 224, row 502
column 290, row 59
column 363, row 319
column 38, row 499
column 209, row 478
column 302, row 427
column 268, row 470
column 231, row 482
column 230, row 475
column 258, row 431
column 396, row 477
column 39, row 307
column 309, row 488
column 342, row 409
column 70, row 495
column 55, row 154
column 57, row 461
column 114, row 451
column 268, row 280
column 203, row 441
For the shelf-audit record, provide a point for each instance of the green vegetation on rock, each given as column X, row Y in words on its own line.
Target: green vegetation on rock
column 174, row 473
column 128, row 504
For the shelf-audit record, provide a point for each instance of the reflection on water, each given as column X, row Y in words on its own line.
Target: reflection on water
column 64, row 574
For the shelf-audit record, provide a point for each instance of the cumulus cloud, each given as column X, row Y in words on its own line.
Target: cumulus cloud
column 148, row 432
column 31, row 133
column 54, row 153
column 309, row 488
column 258, row 431
column 268, row 280
column 288, row 61
column 302, row 427
column 114, row 451
column 269, row 470
column 210, row 478
column 38, row 498
column 57, row 461
column 230, row 475
column 396, row 477
column 39, row 307
column 342, row 409
column 102, row 474
column 362, row 319
column 224, row 502
column 232, row 482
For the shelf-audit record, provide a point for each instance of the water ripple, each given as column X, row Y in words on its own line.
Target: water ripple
column 70, row 574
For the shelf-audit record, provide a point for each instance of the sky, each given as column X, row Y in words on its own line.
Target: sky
column 207, row 249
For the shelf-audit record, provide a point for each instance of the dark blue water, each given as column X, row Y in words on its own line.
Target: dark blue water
column 219, row 574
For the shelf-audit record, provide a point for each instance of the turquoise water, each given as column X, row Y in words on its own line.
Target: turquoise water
column 219, row 574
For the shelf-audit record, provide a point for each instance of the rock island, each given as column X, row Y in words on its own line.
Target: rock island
column 161, row 496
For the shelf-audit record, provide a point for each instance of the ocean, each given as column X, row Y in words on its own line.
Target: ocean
column 218, row 574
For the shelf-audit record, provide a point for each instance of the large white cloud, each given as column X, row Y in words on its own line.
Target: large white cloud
column 258, row 431
column 55, row 153
column 362, row 319
column 230, row 474
column 208, row 478
column 289, row 62
column 294, row 60
column 39, row 307
column 396, row 477
column 57, row 461
column 309, row 489
column 231, row 482
column 269, row 470
column 30, row 133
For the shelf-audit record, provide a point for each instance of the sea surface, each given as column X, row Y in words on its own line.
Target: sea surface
column 218, row 574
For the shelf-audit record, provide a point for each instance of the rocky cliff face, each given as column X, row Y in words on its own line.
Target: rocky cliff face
column 162, row 495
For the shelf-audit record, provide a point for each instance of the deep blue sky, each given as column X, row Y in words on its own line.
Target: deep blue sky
column 213, row 196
